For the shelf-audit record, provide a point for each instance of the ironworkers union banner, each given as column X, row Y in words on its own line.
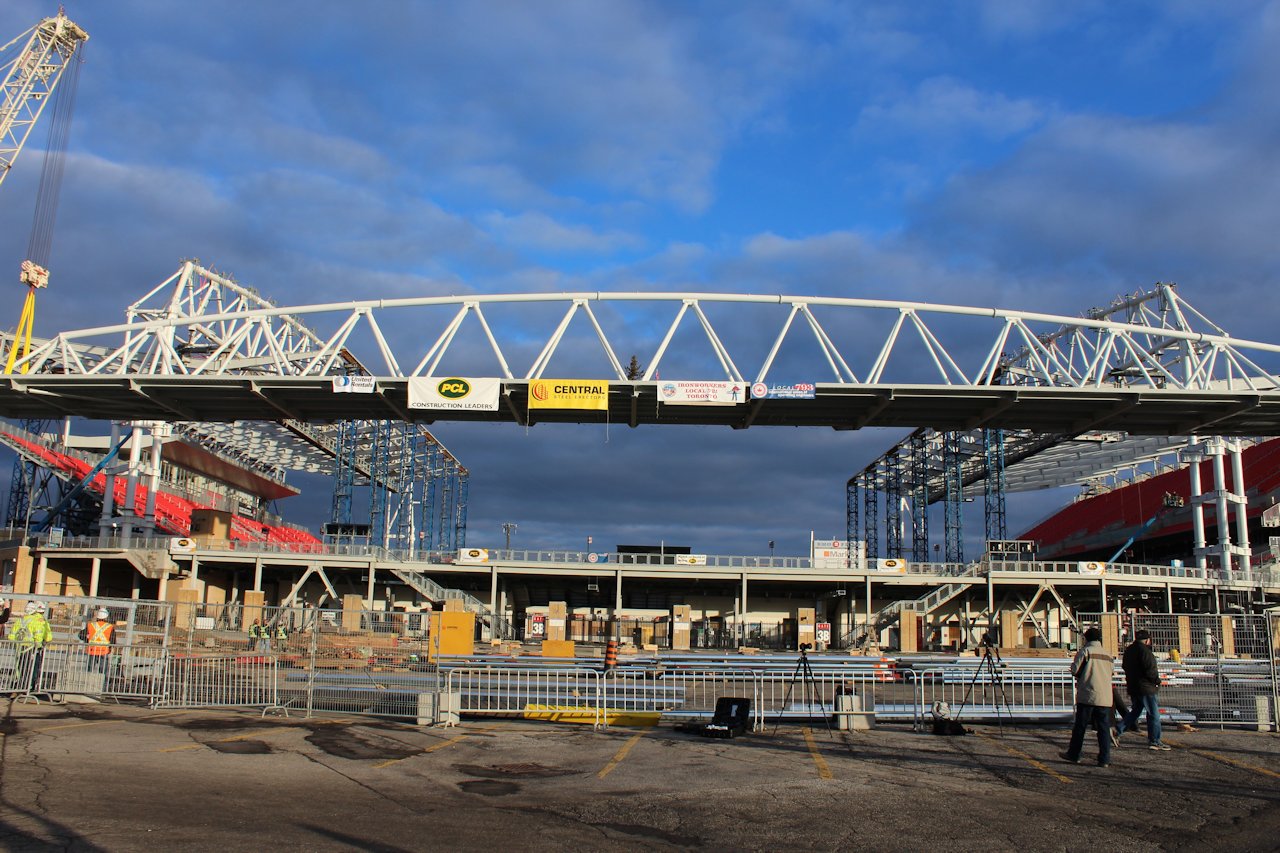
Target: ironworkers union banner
column 455, row 393
column 701, row 393
column 569, row 394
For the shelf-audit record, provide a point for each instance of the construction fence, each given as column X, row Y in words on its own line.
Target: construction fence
column 1215, row 670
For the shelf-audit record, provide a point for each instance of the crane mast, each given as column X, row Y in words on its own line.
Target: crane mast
column 30, row 79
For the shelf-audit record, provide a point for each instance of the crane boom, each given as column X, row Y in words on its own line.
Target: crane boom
column 30, row 79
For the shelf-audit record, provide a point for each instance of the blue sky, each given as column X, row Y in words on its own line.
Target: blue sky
column 1035, row 155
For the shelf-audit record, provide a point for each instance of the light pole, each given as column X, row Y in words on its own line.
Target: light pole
column 509, row 527
column 770, row 549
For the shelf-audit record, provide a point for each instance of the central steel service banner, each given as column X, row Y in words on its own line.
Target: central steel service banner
column 454, row 393
column 569, row 394
column 701, row 393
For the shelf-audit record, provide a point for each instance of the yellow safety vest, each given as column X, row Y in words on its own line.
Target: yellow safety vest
column 31, row 630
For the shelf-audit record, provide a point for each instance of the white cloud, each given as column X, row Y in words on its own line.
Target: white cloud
column 540, row 232
column 941, row 107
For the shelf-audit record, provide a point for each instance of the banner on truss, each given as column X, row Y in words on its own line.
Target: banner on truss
column 454, row 393
column 701, row 393
column 590, row 394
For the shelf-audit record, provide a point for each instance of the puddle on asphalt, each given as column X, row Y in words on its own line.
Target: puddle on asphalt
column 503, row 771
column 489, row 787
column 212, row 724
column 240, row 747
column 344, row 743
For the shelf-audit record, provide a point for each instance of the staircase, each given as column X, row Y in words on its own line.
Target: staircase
column 499, row 628
column 925, row 604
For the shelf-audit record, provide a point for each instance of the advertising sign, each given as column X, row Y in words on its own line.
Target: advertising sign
column 894, row 565
column 778, row 391
column 182, row 545
column 691, row 559
column 473, row 555
column 354, row 384
column 592, row 394
column 1091, row 568
column 455, row 392
column 702, row 393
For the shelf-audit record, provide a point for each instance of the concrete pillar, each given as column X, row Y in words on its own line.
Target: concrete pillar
column 1242, row 506
column 42, row 570
column 95, row 571
column 257, row 574
column 368, row 598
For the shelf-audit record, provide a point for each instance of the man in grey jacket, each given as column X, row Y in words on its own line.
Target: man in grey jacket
column 1093, row 669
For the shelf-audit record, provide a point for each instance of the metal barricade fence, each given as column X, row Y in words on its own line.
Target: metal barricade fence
column 973, row 691
column 682, row 693
column 1215, row 669
column 788, row 695
column 557, row 694
column 220, row 681
column 58, row 668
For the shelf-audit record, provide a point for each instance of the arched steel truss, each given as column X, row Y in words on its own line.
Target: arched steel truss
column 200, row 323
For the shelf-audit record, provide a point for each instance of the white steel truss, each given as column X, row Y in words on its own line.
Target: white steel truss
column 201, row 323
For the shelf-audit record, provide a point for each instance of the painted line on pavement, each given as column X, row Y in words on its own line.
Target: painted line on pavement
column 621, row 754
column 441, row 745
column 824, row 772
column 1017, row 753
column 1226, row 760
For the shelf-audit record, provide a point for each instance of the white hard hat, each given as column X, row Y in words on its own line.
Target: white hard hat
column 100, row 613
column 33, row 607
column 41, row 606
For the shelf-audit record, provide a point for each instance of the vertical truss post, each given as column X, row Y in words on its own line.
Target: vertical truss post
column 870, row 514
column 919, row 490
column 852, row 510
column 448, row 484
column 23, row 481
column 460, row 516
column 952, row 516
column 994, row 484
column 893, row 504
column 430, row 498
column 344, row 472
column 380, row 474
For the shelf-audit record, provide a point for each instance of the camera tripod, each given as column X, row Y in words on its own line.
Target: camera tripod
column 990, row 666
column 808, row 686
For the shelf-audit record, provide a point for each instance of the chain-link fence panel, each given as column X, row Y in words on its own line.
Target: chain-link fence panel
column 1215, row 669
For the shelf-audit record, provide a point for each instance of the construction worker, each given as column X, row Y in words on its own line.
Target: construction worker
column 100, row 634
column 255, row 631
column 31, row 633
column 282, row 635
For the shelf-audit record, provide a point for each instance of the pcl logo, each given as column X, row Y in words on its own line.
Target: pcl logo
column 453, row 389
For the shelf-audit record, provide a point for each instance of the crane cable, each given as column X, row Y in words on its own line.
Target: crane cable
column 34, row 272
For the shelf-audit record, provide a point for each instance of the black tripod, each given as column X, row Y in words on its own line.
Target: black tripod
column 808, row 687
column 989, row 666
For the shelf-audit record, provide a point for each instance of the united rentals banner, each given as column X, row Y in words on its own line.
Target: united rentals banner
column 569, row 394
column 454, row 393
column 701, row 393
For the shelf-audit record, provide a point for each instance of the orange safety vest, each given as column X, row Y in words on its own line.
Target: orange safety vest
column 100, row 634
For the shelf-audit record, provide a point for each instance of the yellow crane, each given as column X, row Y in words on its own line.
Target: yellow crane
column 30, row 79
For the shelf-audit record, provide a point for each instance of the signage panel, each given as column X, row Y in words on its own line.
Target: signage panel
column 455, row 393
column 701, row 393
column 354, row 384
column 590, row 394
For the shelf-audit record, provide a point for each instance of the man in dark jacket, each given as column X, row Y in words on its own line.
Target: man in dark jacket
column 1142, row 677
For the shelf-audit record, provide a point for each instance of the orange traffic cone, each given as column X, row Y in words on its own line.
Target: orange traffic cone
column 611, row 654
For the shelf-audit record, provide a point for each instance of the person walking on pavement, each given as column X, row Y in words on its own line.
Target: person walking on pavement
column 100, row 635
column 31, row 633
column 1093, row 669
column 1142, row 677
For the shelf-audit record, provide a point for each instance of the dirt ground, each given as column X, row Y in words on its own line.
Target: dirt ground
column 120, row 777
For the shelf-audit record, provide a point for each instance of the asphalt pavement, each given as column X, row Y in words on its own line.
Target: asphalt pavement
column 122, row 778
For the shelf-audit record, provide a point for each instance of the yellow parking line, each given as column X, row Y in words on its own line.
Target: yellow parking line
column 1226, row 760
column 621, row 754
column 43, row 729
column 1017, row 753
column 824, row 771
column 181, row 748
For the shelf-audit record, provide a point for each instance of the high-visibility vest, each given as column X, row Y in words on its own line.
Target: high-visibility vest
column 31, row 630
column 100, row 634
column 282, row 633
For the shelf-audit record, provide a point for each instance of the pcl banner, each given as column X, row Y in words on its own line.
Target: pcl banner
column 701, row 393
column 1091, row 568
column 569, row 394
column 454, row 393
